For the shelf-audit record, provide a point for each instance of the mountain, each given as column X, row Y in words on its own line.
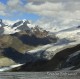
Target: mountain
column 35, row 49
column 1, row 27
column 17, row 27
column 15, row 42
column 21, row 25
column 64, row 55
column 1, row 30
column 62, row 59
column 1, row 23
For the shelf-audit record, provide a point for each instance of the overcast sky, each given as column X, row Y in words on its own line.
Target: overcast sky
column 47, row 13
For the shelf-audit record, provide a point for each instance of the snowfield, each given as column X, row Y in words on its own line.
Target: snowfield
column 10, row 67
column 9, row 30
column 72, row 34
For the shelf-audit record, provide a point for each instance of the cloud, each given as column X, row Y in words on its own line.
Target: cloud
column 57, row 13
column 2, row 6
column 41, row 1
column 54, row 13
column 11, row 7
column 13, row 3
column 44, row 7
column 9, row 22
column 50, row 9
column 63, row 20
column 2, row 9
column 2, row 13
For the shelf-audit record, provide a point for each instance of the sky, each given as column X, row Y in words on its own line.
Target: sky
column 49, row 14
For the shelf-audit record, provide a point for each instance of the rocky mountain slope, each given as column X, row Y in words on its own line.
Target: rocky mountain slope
column 62, row 56
column 59, row 62
column 15, row 42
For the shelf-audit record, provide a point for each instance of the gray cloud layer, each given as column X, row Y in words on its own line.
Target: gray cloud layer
column 53, row 0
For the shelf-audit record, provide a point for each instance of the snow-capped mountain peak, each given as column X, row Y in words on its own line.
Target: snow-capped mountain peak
column 20, row 25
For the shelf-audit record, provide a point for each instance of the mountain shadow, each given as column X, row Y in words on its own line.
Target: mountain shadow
column 35, row 41
column 16, row 56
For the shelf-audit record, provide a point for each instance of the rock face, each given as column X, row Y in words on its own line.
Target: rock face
column 1, row 30
column 21, row 25
column 35, row 37
column 1, row 27
column 17, row 24
column 60, row 61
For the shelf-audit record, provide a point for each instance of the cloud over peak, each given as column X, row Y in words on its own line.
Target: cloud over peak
column 60, row 13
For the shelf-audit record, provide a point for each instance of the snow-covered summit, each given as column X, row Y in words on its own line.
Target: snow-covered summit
column 18, row 26
column 21, row 25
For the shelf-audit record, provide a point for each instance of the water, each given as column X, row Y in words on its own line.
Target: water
column 40, row 75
